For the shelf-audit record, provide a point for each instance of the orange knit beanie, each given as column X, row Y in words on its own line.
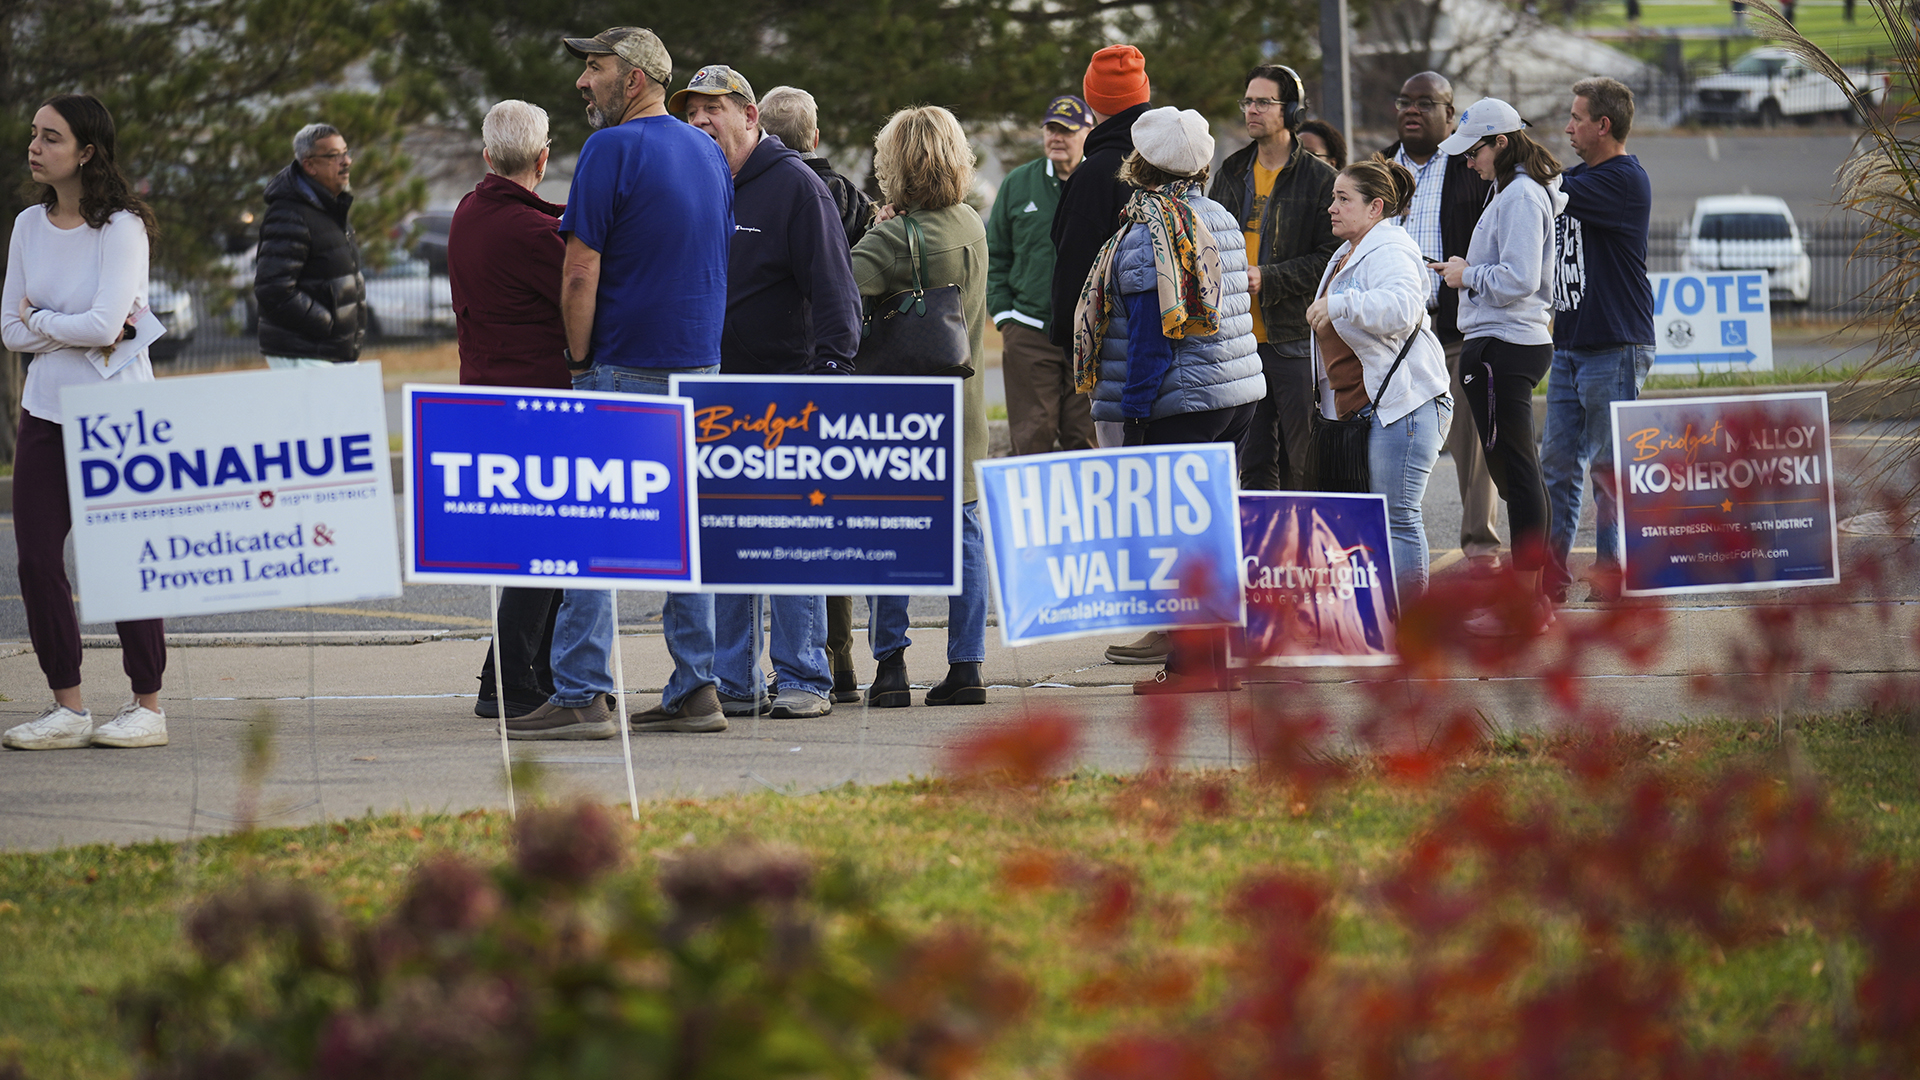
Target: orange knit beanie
column 1116, row 80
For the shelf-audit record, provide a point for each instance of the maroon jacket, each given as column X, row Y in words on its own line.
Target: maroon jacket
column 504, row 255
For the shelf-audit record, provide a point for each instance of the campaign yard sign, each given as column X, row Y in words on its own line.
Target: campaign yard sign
column 841, row 484
column 1723, row 494
column 1127, row 538
column 237, row 492
column 1706, row 321
column 1319, row 580
column 549, row 488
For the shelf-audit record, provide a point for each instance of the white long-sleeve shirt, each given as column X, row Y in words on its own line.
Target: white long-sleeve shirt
column 83, row 283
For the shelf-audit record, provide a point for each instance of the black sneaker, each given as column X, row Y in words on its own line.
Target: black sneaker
column 591, row 721
column 699, row 713
column 519, row 704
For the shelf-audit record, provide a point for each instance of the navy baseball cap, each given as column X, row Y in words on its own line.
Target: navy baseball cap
column 1069, row 112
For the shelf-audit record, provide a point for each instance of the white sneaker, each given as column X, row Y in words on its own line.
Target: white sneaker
column 133, row 726
column 59, row 728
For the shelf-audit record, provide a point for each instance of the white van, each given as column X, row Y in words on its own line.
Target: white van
column 1749, row 232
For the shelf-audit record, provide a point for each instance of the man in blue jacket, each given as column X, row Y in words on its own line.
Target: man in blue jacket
column 792, row 309
column 1603, row 335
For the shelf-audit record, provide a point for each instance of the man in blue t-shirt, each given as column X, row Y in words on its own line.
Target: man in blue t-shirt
column 642, row 293
column 1603, row 334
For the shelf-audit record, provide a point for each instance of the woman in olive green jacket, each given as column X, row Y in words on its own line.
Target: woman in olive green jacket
column 925, row 169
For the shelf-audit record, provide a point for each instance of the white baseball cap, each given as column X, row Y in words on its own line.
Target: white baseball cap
column 1487, row 117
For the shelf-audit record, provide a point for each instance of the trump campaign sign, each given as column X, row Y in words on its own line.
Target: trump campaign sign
column 1705, row 321
column 839, row 483
column 549, row 488
column 1725, row 494
column 1318, row 574
column 1087, row 542
column 220, row 493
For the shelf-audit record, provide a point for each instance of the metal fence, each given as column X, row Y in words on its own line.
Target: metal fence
column 408, row 305
column 1839, row 276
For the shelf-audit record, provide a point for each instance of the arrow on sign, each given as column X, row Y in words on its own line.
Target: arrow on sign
column 1744, row 356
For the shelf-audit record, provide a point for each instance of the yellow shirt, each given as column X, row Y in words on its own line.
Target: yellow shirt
column 1263, row 179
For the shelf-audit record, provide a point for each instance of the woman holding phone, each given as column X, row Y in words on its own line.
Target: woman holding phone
column 76, row 276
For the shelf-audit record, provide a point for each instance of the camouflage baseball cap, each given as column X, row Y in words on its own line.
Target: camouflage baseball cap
column 716, row 80
column 634, row 44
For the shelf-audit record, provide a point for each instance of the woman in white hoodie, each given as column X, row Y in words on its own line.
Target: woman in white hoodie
column 1372, row 307
column 1506, row 315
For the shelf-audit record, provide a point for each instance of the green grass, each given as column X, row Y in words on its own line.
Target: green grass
column 76, row 925
column 1718, row 380
column 1825, row 24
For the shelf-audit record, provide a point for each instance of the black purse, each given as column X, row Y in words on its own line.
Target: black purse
column 1337, row 458
column 917, row 331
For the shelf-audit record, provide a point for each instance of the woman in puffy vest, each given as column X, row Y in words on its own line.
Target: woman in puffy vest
column 1163, row 333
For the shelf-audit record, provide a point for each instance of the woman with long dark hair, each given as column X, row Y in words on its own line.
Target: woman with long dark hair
column 1506, row 314
column 76, row 273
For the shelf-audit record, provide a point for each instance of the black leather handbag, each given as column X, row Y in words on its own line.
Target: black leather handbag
column 1337, row 458
column 917, row 331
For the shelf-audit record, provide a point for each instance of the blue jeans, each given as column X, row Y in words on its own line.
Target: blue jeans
column 1400, row 457
column 797, row 643
column 966, row 613
column 1578, row 440
column 583, row 632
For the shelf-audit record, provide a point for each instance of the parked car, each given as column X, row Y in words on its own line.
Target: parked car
column 1768, row 84
column 429, row 230
column 174, row 308
column 406, row 299
column 1749, row 232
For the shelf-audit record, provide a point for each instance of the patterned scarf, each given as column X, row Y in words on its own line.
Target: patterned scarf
column 1186, row 265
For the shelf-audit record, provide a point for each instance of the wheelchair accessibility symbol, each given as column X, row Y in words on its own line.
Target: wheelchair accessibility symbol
column 1733, row 332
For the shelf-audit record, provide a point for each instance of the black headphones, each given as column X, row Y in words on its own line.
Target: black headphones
column 1290, row 110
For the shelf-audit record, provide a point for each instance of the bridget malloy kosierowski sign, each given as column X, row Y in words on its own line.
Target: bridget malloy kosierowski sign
column 237, row 492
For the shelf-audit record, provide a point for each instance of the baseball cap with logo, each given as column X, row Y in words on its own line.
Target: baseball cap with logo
column 1069, row 112
column 716, row 80
column 634, row 44
column 1488, row 117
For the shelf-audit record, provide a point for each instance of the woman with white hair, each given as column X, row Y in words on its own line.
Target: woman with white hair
column 504, row 255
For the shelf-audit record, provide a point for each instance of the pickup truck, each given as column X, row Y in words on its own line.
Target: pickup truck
column 1768, row 84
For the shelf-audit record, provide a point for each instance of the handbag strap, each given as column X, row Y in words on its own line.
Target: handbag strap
column 1396, row 362
column 916, row 252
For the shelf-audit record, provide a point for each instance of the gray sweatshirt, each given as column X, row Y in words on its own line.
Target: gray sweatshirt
column 1507, row 289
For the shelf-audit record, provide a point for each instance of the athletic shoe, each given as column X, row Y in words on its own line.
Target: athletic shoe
column 733, row 706
column 133, row 726
column 797, row 704
column 962, row 686
column 1483, row 567
column 488, row 707
column 593, row 720
column 1151, row 649
column 699, row 713
column 846, row 687
column 58, row 728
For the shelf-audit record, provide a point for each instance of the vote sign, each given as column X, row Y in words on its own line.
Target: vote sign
column 549, row 488
column 237, row 492
column 827, row 483
column 1127, row 538
column 1725, row 494
column 1707, row 321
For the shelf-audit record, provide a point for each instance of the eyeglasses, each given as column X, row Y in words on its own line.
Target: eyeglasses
column 1425, row 104
column 1248, row 104
column 347, row 154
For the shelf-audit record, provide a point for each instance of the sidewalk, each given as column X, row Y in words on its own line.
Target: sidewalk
column 389, row 725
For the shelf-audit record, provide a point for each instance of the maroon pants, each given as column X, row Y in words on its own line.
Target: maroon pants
column 41, row 521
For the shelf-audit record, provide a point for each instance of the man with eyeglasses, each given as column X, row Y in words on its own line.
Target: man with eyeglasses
column 306, row 278
column 1448, row 197
column 1279, row 193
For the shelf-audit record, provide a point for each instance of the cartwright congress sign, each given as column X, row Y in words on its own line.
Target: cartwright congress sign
column 230, row 492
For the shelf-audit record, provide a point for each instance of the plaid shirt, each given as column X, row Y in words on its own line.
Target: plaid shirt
column 1422, row 219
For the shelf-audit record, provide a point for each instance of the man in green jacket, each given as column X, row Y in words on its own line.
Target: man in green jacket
column 1042, row 405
